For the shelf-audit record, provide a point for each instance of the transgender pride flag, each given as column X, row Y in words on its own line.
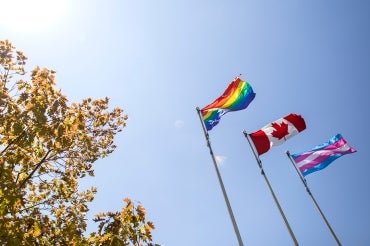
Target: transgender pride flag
column 322, row 155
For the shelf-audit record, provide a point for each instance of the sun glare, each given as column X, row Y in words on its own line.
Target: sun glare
column 30, row 15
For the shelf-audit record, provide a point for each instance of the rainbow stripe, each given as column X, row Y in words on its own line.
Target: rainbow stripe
column 322, row 155
column 237, row 96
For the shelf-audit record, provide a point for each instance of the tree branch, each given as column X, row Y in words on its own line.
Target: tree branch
column 34, row 170
column 13, row 142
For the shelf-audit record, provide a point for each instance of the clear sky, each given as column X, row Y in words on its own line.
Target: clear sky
column 158, row 60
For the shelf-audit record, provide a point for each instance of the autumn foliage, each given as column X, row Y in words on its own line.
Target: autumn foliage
column 46, row 146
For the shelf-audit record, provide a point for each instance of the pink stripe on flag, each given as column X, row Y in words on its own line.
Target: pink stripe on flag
column 337, row 144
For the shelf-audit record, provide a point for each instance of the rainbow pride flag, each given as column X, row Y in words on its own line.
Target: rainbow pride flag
column 322, row 155
column 237, row 96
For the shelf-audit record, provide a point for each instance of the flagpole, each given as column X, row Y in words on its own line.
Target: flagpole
column 220, row 181
column 313, row 199
column 271, row 190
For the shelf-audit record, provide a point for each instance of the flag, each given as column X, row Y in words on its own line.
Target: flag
column 322, row 155
column 237, row 96
column 277, row 132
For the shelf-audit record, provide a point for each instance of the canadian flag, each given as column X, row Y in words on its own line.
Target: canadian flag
column 277, row 132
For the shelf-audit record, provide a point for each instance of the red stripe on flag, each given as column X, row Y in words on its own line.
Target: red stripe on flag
column 261, row 141
column 297, row 121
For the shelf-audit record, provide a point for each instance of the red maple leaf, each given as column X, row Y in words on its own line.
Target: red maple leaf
column 281, row 130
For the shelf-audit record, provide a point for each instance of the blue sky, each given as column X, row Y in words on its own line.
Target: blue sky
column 158, row 60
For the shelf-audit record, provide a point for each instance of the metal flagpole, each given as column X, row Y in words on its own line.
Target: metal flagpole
column 220, row 181
column 271, row 190
column 313, row 199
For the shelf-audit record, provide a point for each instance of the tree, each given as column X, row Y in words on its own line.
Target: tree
column 46, row 146
column 123, row 228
